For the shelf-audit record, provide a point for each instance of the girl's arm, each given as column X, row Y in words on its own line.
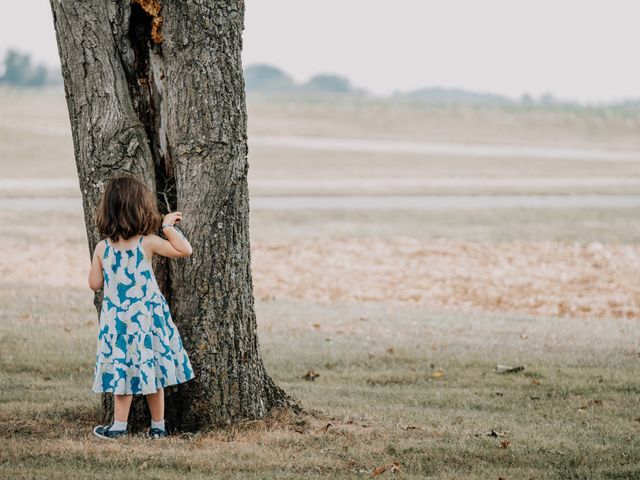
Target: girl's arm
column 166, row 248
column 96, row 278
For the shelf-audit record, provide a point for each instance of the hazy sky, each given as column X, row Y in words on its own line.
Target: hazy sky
column 576, row 49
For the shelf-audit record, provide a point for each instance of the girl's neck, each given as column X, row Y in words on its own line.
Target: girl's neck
column 128, row 242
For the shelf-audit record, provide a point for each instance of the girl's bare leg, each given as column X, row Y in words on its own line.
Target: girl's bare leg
column 122, row 404
column 156, row 405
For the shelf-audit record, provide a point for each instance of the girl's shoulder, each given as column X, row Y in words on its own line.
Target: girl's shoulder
column 100, row 249
column 150, row 242
column 150, row 239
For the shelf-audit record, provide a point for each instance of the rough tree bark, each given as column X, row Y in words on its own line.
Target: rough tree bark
column 155, row 89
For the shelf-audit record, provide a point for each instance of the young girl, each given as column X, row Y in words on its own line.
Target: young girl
column 139, row 349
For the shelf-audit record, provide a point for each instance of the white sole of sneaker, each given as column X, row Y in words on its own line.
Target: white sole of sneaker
column 102, row 437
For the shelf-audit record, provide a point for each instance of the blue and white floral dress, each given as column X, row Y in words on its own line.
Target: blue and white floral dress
column 139, row 348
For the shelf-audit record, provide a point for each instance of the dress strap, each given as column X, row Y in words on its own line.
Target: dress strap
column 106, row 248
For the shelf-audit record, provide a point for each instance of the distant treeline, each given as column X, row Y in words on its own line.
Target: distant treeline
column 18, row 70
column 267, row 78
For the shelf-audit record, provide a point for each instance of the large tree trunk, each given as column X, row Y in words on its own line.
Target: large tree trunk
column 156, row 90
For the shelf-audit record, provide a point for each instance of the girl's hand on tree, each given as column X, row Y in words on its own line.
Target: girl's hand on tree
column 171, row 218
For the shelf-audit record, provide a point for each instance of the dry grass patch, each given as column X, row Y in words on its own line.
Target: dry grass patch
column 570, row 414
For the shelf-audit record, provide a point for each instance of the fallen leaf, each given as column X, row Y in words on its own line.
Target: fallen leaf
column 505, row 443
column 437, row 374
column 535, row 382
column 378, row 471
column 390, row 350
column 395, row 467
column 311, row 375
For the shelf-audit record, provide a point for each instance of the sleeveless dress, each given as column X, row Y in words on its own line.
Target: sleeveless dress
column 139, row 348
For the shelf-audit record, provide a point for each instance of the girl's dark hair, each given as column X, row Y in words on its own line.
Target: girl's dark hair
column 127, row 209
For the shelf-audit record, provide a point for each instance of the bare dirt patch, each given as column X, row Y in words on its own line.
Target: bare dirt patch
column 537, row 278
column 533, row 278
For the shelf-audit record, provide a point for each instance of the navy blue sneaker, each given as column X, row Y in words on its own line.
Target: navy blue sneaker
column 104, row 432
column 156, row 433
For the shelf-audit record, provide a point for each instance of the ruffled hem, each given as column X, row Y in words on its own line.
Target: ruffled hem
column 140, row 361
column 139, row 379
column 141, row 392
